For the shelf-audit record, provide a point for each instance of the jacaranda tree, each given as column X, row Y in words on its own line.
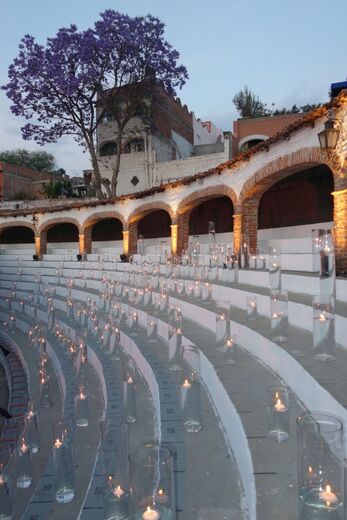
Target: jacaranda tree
column 65, row 88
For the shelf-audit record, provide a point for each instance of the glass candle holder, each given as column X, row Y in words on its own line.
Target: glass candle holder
column 32, row 430
column 320, row 456
column 129, row 393
column 324, row 327
column 190, row 390
column 63, row 464
column 115, row 458
column 279, row 315
column 6, row 483
column 327, row 273
column 132, row 322
column 251, row 303
column 23, row 464
column 230, row 350
column 45, row 390
column 81, row 408
column 152, row 483
column 274, row 268
column 175, row 340
column 244, row 252
column 151, row 329
column 163, row 302
column 206, row 292
column 222, row 322
column 278, row 413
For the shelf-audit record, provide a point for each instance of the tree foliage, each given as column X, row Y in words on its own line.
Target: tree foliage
column 248, row 104
column 58, row 86
column 37, row 160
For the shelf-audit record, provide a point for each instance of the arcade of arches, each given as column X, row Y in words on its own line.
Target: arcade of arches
column 283, row 199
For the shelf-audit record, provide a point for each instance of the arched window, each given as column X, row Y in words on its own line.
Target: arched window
column 108, row 149
column 250, row 144
column 136, row 145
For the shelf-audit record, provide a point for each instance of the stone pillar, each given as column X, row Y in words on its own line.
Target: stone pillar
column 81, row 242
column 38, row 246
column 340, row 230
column 125, row 242
column 133, row 238
column 249, row 222
column 182, row 231
column 87, row 241
column 174, row 237
column 237, row 232
column 41, row 244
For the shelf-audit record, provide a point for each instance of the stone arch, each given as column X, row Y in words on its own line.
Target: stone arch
column 144, row 209
column 193, row 200
column 45, row 226
column 48, row 224
column 282, row 167
column 88, row 224
column 19, row 223
column 139, row 213
column 95, row 217
column 267, row 176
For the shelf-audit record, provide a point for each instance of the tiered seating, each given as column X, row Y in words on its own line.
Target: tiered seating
column 234, row 396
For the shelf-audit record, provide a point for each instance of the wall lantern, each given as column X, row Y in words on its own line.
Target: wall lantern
column 329, row 136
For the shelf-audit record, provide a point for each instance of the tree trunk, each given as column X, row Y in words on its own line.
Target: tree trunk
column 115, row 171
column 97, row 174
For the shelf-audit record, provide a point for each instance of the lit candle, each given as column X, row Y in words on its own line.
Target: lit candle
column 3, row 480
column 162, row 497
column 229, row 343
column 130, row 380
column 328, row 496
column 150, row 514
column 279, row 406
column 322, row 317
column 119, row 492
column 186, row 384
column 58, row 443
column 275, row 315
column 252, row 304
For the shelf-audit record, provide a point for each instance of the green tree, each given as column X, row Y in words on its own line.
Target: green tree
column 37, row 160
column 249, row 105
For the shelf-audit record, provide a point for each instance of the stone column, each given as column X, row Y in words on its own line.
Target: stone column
column 182, row 223
column 250, row 222
column 340, row 230
column 87, row 246
column 125, row 242
column 81, row 242
column 41, row 244
column 174, row 237
column 237, row 232
column 133, row 238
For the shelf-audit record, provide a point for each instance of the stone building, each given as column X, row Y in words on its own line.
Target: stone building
column 171, row 144
column 18, row 179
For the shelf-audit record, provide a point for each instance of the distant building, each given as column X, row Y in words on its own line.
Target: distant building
column 248, row 132
column 171, row 145
column 19, row 180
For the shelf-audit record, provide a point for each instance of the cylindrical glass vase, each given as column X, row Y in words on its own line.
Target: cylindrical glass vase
column 152, row 483
column 63, row 464
column 274, row 269
column 279, row 315
column 324, row 327
column 151, row 329
column 251, row 303
column 23, row 464
column 278, row 413
column 190, row 391
column 32, row 430
column 222, row 322
column 320, row 456
column 81, row 408
column 114, row 447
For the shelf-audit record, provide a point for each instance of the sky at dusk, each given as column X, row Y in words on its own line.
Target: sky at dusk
column 287, row 52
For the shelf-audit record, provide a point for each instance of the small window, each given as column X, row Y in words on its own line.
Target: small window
column 250, row 144
column 108, row 149
column 136, row 145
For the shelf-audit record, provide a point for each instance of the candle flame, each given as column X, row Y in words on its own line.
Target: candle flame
column 328, row 489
